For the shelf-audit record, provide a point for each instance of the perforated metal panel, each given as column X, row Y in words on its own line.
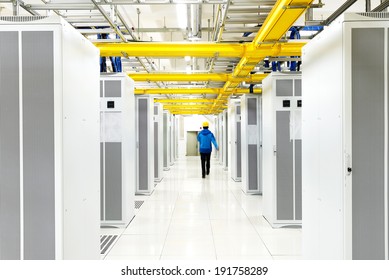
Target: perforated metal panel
column 298, row 179
column 226, row 128
column 143, row 120
column 102, row 183
column 165, row 137
column 297, row 87
column 113, row 181
column 284, row 87
column 253, row 167
column 9, row 147
column 238, row 149
column 113, row 89
column 156, row 153
column 284, row 167
column 106, row 242
column 138, row 204
column 252, row 111
column 368, row 143
column 38, row 144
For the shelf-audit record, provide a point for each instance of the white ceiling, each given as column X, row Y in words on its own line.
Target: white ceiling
column 158, row 16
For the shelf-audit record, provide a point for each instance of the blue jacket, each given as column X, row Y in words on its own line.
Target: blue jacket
column 205, row 138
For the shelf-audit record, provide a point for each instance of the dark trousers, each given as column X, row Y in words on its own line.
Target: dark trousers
column 205, row 162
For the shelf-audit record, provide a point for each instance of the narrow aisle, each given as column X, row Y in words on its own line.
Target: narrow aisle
column 188, row 217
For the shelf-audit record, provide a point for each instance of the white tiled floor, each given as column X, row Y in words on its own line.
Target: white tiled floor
column 190, row 218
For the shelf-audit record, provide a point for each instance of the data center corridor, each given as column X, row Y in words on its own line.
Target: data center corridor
column 190, row 218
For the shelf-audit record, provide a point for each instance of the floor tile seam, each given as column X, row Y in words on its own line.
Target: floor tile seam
column 260, row 237
column 209, row 219
column 171, row 218
column 286, row 255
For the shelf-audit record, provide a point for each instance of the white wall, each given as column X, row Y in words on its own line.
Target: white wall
column 193, row 123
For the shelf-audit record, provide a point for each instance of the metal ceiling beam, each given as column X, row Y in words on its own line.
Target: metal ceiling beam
column 213, row 77
column 186, row 107
column 205, row 112
column 381, row 7
column 248, row 10
column 339, row 11
column 197, row 91
column 84, row 6
column 111, row 23
column 278, row 22
column 151, row 49
column 183, row 101
column 62, row 6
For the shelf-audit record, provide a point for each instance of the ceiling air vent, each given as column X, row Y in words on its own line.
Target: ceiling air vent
column 21, row 18
column 375, row 14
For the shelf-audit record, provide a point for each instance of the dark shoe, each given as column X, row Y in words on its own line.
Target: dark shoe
column 208, row 172
column 203, row 176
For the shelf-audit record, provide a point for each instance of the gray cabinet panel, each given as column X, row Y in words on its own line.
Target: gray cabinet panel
column 297, row 87
column 253, row 167
column 156, row 154
column 143, row 120
column 9, row 147
column 165, row 134
column 298, row 179
column 113, row 181
column 38, row 144
column 284, row 87
column 113, row 89
column 368, row 114
column 102, row 196
column 284, row 162
column 238, row 149
column 252, row 111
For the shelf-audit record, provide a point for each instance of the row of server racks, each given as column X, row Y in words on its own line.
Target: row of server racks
column 75, row 147
column 264, row 141
column 325, row 164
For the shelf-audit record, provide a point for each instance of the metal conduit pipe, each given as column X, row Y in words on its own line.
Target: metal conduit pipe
column 111, row 23
column 218, row 33
column 368, row 5
column 129, row 30
column 382, row 6
column 224, row 17
column 339, row 11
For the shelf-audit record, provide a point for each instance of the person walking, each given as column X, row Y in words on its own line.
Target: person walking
column 205, row 137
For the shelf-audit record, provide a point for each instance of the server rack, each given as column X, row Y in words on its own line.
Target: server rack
column 166, row 140
column 225, row 140
column 175, row 134
column 117, row 150
column 282, row 145
column 345, row 132
column 49, row 141
column 220, row 137
column 251, row 124
column 171, row 143
column 145, row 144
column 158, row 143
column 235, row 139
